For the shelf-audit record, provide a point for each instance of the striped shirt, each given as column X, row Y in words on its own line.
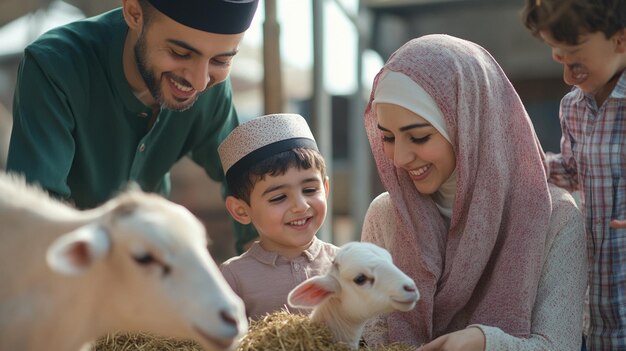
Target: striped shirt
column 593, row 160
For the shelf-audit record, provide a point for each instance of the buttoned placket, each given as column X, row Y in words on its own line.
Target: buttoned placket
column 139, row 158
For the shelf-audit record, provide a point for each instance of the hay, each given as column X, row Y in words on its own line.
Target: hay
column 143, row 342
column 284, row 331
column 279, row 331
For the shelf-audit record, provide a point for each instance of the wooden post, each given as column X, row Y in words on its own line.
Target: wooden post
column 272, row 79
column 322, row 111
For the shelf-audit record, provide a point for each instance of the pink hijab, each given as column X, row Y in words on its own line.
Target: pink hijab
column 485, row 268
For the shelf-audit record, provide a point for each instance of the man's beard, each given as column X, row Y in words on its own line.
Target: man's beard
column 153, row 85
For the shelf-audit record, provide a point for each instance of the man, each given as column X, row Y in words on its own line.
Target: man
column 122, row 96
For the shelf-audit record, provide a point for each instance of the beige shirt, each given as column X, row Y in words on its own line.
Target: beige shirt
column 558, row 312
column 263, row 279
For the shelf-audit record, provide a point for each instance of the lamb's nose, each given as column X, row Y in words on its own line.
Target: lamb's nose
column 228, row 318
column 410, row 288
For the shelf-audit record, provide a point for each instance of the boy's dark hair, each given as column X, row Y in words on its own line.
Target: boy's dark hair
column 567, row 20
column 241, row 185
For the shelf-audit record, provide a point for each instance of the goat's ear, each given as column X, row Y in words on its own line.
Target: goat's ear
column 313, row 291
column 76, row 251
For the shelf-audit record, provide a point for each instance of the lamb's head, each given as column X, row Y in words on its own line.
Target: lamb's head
column 149, row 257
column 362, row 283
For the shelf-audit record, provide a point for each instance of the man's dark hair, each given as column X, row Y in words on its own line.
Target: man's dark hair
column 148, row 12
column 241, row 185
column 567, row 20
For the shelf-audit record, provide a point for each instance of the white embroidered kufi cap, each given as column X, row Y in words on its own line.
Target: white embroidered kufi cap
column 262, row 137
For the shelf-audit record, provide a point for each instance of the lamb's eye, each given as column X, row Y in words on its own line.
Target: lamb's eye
column 360, row 279
column 144, row 259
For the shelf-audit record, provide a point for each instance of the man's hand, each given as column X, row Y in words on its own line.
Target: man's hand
column 468, row 339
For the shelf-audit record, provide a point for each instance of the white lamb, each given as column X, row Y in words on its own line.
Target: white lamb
column 136, row 263
column 362, row 283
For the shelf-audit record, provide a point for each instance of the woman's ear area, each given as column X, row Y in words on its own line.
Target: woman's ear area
column 326, row 185
column 133, row 14
column 238, row 209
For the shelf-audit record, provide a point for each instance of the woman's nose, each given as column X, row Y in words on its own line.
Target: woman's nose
column 402, row 156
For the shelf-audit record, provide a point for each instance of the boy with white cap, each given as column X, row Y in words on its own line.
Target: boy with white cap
column 277, row 181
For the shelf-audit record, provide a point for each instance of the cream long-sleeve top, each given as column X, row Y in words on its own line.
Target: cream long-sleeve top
column 558, row 311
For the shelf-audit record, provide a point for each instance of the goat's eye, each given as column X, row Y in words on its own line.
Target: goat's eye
column 144, row 259
column 360, row 279
column 147, row 259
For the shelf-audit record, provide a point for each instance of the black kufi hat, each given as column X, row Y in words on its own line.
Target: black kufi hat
column 214, row 16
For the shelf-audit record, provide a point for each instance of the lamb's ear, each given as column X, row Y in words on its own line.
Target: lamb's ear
column 313, row 291
column 76, row 251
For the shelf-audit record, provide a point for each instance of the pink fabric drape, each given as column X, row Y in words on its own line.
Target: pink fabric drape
column 486, row 267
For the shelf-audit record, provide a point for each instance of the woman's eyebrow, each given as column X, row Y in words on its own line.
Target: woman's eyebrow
column 415, row 125
column 405, row 128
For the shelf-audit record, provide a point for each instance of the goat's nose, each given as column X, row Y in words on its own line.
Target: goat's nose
column 410, row 288
column 228, row 318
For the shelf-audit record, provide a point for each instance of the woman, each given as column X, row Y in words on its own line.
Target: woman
column 497, row 254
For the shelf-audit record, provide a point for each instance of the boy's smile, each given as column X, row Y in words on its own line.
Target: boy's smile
column 287, row 210
column 593, row 64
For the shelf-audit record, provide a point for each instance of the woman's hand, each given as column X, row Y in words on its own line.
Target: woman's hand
column 468, row 339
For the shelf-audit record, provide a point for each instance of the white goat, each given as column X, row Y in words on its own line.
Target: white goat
column 362, row 283
column 136, row 263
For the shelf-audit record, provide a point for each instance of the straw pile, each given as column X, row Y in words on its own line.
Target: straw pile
column 283, row 331
column 143, row 342
column 279, row 331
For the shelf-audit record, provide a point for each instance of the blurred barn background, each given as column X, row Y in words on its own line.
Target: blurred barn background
column 344, row 43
